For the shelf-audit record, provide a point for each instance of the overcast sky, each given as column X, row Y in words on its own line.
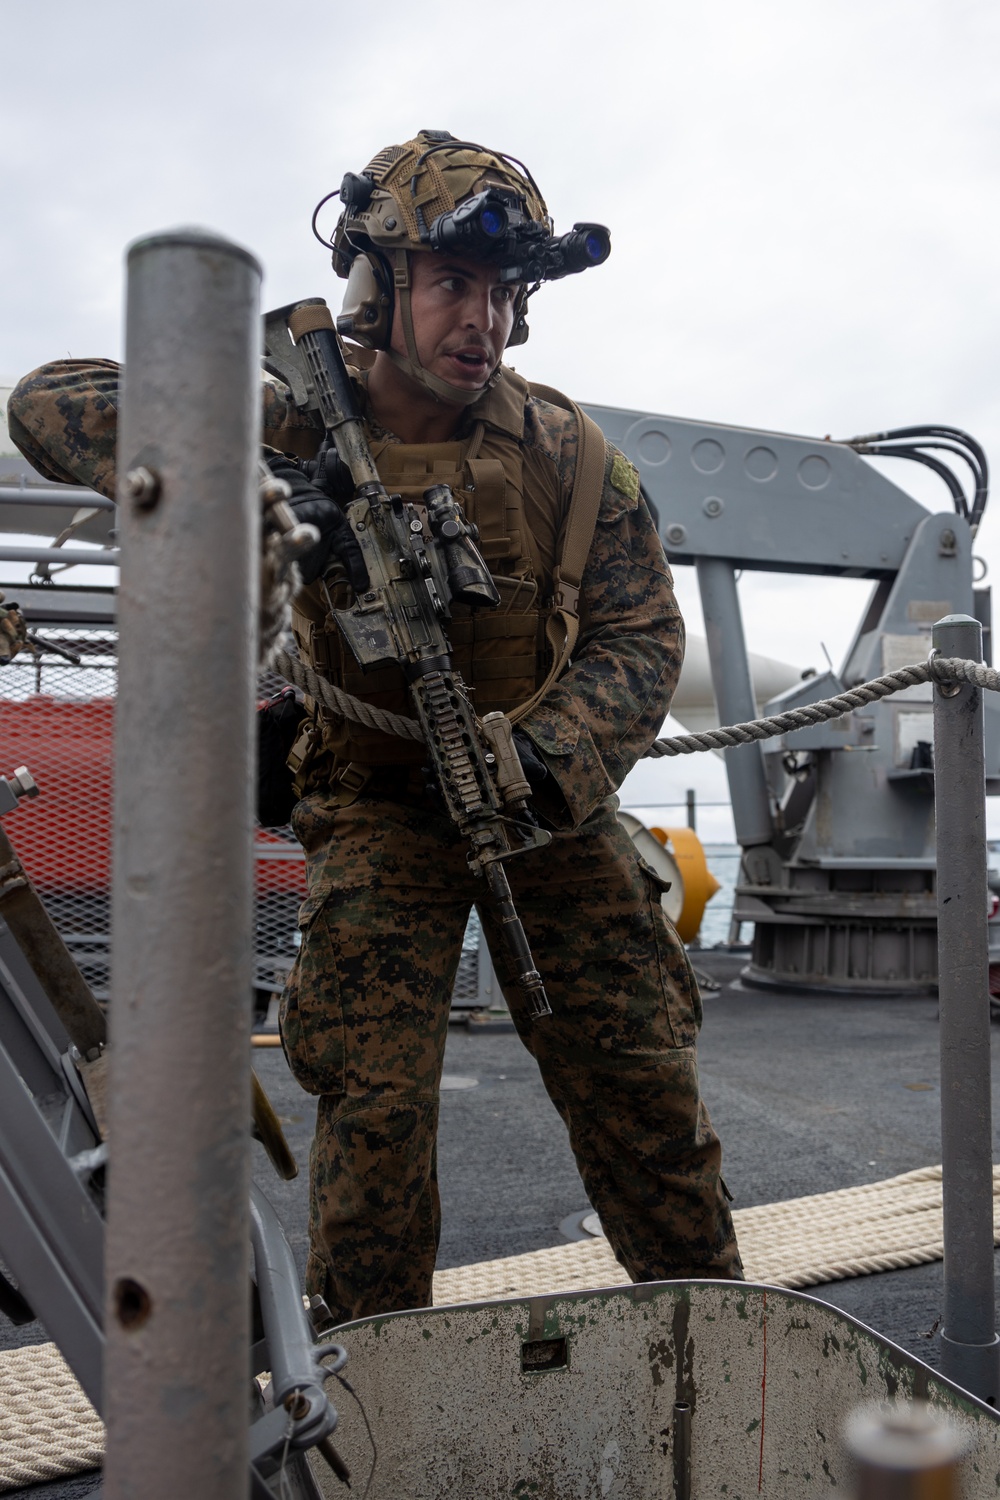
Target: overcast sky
column 803, row 199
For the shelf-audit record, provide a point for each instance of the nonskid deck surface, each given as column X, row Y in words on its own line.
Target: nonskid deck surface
column 809, row 1094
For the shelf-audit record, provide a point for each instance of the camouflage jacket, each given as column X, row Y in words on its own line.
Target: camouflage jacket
column 596, row 721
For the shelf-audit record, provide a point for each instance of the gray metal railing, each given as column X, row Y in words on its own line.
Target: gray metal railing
column 970, row 1349
column 177, row 1314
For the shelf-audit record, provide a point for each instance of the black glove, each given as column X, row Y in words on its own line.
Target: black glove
column 278, row 723
column 336, row 539
column 548, row 805
column 330, row 474
column 535, row 770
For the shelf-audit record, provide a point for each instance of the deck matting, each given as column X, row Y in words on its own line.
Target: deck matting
column 881, row 1226
column 48, row 1428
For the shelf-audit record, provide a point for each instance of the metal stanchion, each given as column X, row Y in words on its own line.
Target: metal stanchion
column 969, row 1345
column 906, row 1452
column 734, row 700
column 176, row 1371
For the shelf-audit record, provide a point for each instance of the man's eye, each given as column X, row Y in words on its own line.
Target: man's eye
column 452, row 283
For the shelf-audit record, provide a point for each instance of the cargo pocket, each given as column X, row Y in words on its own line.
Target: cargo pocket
column 679, row 987
column 312, row 1016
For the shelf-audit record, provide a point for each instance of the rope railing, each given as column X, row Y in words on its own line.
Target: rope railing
column 345, row 704
column 936, row 669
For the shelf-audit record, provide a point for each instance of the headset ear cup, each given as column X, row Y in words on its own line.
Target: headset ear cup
column 519, row 332
column 366, row 315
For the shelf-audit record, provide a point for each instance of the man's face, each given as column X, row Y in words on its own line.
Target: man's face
column 462, row 318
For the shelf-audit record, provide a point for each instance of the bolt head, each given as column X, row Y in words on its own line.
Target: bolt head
column 676, row 534
column 713, row 506
column 142, row 486
column 23, row 783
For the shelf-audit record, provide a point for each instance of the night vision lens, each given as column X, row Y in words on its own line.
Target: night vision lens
column 475, row 227
column 585, row 245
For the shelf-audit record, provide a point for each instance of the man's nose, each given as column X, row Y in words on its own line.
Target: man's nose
column 481, row 312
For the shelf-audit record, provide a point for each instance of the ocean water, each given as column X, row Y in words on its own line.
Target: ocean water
column 724, row 862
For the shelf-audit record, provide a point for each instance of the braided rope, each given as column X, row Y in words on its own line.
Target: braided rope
column 941, row 669
column 877, row 1226
column 343, row 703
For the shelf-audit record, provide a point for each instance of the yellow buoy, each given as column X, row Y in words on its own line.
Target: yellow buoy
column 700, row 885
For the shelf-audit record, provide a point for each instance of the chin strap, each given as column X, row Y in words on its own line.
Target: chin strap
column 410, row 362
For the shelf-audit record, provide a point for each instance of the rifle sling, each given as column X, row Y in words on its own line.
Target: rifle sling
column 563, row 626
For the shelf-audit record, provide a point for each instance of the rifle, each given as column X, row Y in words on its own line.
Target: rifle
column 416, row 571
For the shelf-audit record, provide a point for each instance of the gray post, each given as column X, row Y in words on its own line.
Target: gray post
column 734, row 700
column 969, row 1345
column 177, row 1360
column 906, row 1451
column 692, row 821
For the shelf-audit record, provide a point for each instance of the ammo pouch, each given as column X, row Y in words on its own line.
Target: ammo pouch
column 278, row 723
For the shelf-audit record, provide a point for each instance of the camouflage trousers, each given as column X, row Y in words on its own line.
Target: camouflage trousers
column 365, row 1018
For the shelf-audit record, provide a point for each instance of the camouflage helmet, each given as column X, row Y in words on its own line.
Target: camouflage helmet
column 397, row 206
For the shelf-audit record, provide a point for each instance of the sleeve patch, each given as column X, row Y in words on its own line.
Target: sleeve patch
column 624, row 477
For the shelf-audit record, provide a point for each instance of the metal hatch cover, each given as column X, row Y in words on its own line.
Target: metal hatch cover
column 463, row 1402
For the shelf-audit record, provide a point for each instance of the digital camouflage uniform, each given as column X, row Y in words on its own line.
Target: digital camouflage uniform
column 366, row 1009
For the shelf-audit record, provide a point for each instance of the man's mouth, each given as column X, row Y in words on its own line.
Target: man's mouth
column 472, row 360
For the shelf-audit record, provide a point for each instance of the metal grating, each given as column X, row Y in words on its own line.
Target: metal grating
column 466, row 992
column 57, row 718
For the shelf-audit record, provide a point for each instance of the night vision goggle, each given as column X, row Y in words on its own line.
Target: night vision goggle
column 494, row 227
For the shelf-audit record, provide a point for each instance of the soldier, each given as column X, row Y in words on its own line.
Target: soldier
column 583, row 654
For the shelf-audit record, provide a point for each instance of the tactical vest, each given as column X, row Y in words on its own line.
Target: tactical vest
column 504, row 655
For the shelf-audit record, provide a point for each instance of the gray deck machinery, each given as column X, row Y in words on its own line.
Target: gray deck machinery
column 836, row 822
